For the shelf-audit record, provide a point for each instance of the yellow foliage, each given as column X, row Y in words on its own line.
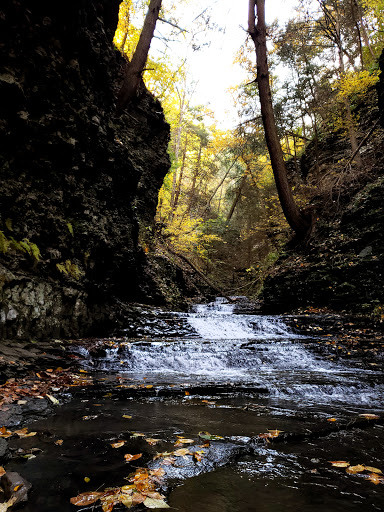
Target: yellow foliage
column 355, row 83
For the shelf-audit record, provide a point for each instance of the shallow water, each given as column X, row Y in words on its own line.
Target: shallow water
column 235, row 387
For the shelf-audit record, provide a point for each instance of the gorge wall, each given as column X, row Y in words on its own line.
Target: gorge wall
column 78, row 186
column 341, row 267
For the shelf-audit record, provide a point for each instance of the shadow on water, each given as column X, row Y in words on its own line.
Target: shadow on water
column 256, row 378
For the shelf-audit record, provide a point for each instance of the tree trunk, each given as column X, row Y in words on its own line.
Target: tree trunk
column 297, row 221
column 349, row 117
column 133, row 75
column 237, row 197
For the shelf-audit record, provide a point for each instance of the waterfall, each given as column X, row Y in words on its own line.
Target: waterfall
column 251, row 350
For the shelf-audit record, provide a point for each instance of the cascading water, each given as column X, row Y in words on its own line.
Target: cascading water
column 251, row 350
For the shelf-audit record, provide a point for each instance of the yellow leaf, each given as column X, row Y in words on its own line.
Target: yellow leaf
column 355, row 469
column 339, row 463
column 87, row 479
column 151, row 503
column 152, row 441
column 59, row 442
column 181, row 452
column 182, row 441
column 373, row 470
column 126, row 416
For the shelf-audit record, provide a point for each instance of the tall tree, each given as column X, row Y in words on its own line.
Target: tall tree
column 135, row 68
column 299, row 222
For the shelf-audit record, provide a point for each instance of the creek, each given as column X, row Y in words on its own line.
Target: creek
column 235, row 376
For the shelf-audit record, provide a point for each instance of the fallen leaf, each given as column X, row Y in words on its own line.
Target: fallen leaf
column 87, row 479
column 5, row 506
column 128, row 457
column 339, row 463
column 210, row 437
column 152, row 503
column 182, row 452
column 183, row 440
column 118, row 444
column 86, row 498
column 369, row 416
column 159, row 472
column 126, row 500
column 375, row 479
column 373, row 470
column 352, row 470
column 126, row 416
column 137, row 434
column 152, row 441
column 198, row 455
column 59, row 442
column 275, row 433
column 168, row 461
column 2, row 471
column 331, row 419
column 53, row 399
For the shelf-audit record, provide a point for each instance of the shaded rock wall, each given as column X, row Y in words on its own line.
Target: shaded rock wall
column 342, row 266
column 77, row 182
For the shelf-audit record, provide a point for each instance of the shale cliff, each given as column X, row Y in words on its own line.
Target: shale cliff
column 78, row 185
column 341, row 266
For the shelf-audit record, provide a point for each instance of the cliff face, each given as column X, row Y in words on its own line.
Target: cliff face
column 77, row 184
column 342, row 266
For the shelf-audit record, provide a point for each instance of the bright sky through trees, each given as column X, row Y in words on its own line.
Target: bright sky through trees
column 212, row 67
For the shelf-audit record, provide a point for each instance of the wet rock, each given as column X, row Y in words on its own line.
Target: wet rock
column 11, row 481
column 216, row 455
column 4, row 452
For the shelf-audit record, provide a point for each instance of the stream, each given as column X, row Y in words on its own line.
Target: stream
column 233, row 376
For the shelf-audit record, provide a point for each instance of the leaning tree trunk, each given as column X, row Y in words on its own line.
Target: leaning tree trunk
column 297, row 221
column 135, row 67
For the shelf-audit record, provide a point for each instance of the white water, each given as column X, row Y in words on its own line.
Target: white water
column 251, row 350
column 216, row 321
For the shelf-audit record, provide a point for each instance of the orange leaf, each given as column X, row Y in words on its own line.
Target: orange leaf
column 2, row 471
column 352, row 470
column 375, row 479
column 339, row 463
column 331, row 419
column 128, row 457
column 118, row 444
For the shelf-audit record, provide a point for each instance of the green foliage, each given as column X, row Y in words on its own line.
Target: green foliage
column 70, row 228
column 23, row 246
column 4, row 243
column 70, row 269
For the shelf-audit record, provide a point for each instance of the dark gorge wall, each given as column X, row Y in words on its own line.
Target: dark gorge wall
column 77, row 185
column 341, row 267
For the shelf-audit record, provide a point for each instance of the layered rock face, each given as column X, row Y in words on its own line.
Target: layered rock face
column 78, row 185
column 342, row 266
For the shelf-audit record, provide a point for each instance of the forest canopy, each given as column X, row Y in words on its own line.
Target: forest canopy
column 219, row 197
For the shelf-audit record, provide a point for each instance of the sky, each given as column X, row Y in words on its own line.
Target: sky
column 212, row 68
